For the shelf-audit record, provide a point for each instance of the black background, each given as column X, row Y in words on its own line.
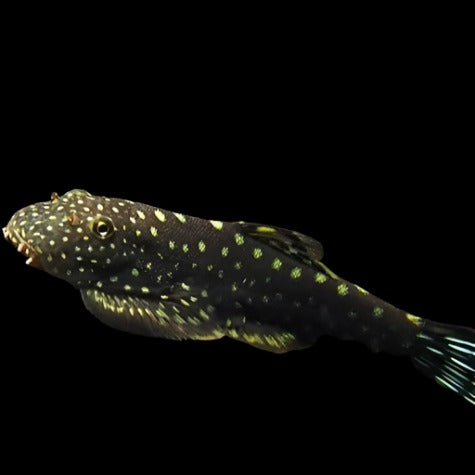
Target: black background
column 359, row 141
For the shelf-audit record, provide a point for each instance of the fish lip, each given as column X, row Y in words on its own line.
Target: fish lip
column 23, row 247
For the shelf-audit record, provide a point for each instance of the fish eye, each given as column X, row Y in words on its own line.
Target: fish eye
column 103, row 227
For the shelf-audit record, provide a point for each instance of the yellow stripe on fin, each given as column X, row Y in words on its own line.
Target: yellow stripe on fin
column 417, row 321
column 265, row 229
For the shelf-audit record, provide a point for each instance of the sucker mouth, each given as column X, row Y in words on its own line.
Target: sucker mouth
column 23, row 247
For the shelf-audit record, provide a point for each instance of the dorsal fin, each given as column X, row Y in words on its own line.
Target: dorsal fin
column 303, row 248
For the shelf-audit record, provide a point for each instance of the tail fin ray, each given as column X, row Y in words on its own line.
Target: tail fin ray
column 446, row 353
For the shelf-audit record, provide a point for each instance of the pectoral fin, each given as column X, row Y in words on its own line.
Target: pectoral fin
column 175, row 319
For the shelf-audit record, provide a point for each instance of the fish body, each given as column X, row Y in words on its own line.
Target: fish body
column 158, row 273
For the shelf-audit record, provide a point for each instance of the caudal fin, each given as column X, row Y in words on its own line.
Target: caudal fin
column 446, row 353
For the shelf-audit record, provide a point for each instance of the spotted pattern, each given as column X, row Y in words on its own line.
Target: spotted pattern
column 342, row 290
column 257, row 253
column 160, row 215
column 239, row 238
column 320, row 278
column 217, row 225
column 161, row 273
column 276, row 264
column 378, row 312
column 180, row 217
column 296, row 273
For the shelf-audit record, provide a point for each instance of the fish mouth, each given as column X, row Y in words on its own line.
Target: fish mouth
column 23, row 247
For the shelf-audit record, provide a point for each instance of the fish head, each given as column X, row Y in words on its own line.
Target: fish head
column 77, row 237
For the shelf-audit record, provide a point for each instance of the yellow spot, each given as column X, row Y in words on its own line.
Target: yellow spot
column 140, row 214
column 100, row 207
column 52, row 243
column 50, row 258
column 185, row 248
column 276, row 264
column 99, row 284
column 378, row 312
column 342, row 290
column 180, row 217
column 161, row 313
column 257, row 253
column 320, row 278
column 210, row 267
column 145, row 290
column 138, row 232
column 65, row 239
column 238, row 265
column 135, row 272
column 252, row 338
column 114, row 278
column 296, row 273
column 160, row 216
column 127, row 287
column 265, row 229
column 185, row 287
column 153, row 231
column 171, row 244
column 361, row 290
column 63, row 255
column 225, row 251
column 149, row 265
column 217, row 225
column 202, row 246
column 414, row 320
column 234, row 287
column 239, row 238
column 204, row 293
column 203, row 314
column 115, row 209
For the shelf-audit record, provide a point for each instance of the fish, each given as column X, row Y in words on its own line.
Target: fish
column 153, row 272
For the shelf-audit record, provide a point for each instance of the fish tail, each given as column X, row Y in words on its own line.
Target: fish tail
column 446, row 353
